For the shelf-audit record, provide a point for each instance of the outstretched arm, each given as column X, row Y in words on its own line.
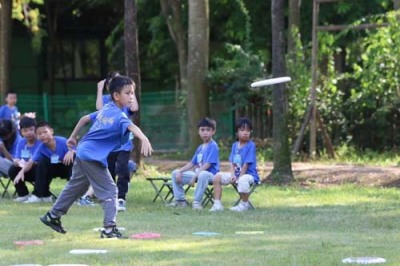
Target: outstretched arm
column 146, row 145
column 71, row 142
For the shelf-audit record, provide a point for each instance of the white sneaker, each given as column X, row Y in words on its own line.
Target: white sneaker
column 21, row 199
column 241, row 207
column 197, row 205
column 121, row 205
column 216, row 208
column 35, row 199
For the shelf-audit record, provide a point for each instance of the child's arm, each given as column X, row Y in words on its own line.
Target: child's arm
column 71, row 142
column 21, row 174
column 4, row 151
column 99, row 98
column 204, row 167
column 244, row 169
column 146, row 145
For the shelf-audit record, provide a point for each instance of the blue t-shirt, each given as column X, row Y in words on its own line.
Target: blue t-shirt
column 8, row 113
column 128, row 146
column 207, row 153
column 245, row 154
column 108, row 132
column 24, row 151
column 56, row 156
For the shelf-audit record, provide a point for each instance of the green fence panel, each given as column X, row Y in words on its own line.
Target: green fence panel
column 163, row 119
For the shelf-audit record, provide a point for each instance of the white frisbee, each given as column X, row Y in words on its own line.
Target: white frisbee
column 267, row 82
column 87, row 251
column 364, row 260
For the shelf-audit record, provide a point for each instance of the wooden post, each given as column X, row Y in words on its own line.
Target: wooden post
column 313, row 90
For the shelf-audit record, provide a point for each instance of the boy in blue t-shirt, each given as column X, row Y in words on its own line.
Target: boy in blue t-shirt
column 203, row 166
column 26, row 147
column 9, row 138
column 9, row 110
column 52, row 159
column 243, row 168
column 110, row 130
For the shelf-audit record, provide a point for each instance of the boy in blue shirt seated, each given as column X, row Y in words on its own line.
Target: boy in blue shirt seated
column 9, row 138
column 243, row 168
column 25, row 149
column 202, row 168
column 52, row 159
column 110, row 130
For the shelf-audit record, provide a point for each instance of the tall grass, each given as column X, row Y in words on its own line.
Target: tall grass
column 301, row 227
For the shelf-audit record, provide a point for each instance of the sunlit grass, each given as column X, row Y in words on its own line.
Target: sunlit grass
column 302, row 226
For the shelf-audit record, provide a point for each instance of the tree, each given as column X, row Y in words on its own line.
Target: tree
column 198, row 48
column 282, row 169
column 5, row 44
column 132, row 64
column 294, row 22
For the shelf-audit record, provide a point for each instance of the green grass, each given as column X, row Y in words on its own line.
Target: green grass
column 301, row 227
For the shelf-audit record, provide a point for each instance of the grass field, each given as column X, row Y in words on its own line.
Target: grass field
column 300, row 227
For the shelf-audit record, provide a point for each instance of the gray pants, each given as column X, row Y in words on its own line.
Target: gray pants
column 85, row 173
column 5, row 165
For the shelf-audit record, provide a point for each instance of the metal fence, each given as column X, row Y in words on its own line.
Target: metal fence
column 163, row 119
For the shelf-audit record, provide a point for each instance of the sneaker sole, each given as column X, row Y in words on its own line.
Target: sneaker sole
column 52, row 226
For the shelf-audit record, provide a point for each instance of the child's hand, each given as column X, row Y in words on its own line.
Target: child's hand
column 146, row 147
column 71, row 143
column 69, row 157
column 100, row 85
column 19, row 177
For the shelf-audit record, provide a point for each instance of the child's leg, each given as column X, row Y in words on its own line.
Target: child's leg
column 243, row 186
column 204, row 178
column 220, row 179
column 179, row 193
column 123, row 173
column 75, row 187
column 105, row 190
column 20, row 187
column 112, row 163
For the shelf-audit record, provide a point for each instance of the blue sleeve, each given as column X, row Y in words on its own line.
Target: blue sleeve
column 2, row 111
column 92, row 116
column 38, row 153
column 211, row 154
column 250, row 156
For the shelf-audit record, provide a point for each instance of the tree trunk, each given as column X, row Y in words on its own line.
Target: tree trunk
column 5, row 45
column 172, row 10
column 198, row 48
column 294, row 22
column 282, row 169
column 132, row 64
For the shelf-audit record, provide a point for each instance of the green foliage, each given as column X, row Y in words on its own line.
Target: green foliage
column 28, row 13
column 234, row 75
column 374, row 102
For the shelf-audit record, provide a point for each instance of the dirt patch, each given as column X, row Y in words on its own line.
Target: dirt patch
column 315, row 173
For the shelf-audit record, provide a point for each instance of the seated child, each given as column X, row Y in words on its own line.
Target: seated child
column 25, row 149
column 203, row 166
column 243, row 168
column 9, row 138
column 52, row 159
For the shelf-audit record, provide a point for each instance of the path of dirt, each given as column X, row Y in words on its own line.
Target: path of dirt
column 317, row 173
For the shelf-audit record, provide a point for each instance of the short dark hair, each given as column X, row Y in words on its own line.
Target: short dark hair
column 243, row 122
column 117, row 83
column 42, row 124
column 10, row 92
column 6, row 127
column 207, row 122
column 26, row 122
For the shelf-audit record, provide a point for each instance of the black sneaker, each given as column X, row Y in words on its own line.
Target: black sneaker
column 54, row 223
column 114, row 233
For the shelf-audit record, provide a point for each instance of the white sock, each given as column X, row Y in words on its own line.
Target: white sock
column 217, row 202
